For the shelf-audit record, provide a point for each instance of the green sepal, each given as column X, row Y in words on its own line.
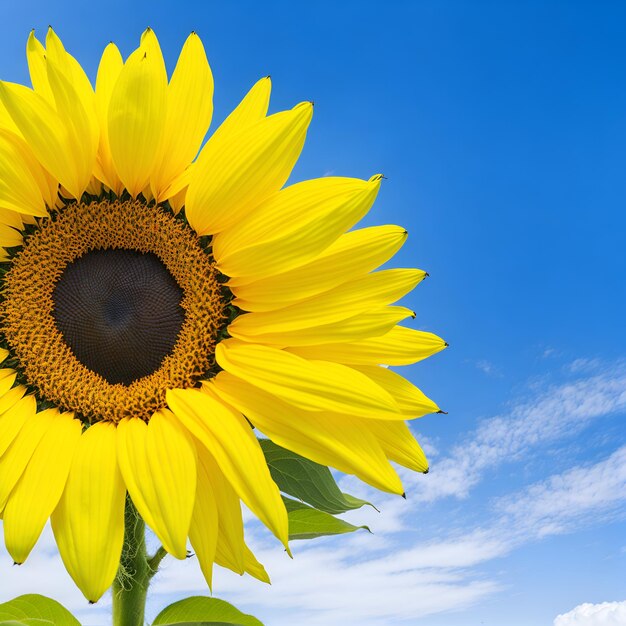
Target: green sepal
column 305, row 522
column 203, row 611
column 35, row 610
column 306, row 480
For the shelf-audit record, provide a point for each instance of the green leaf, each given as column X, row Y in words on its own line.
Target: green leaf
column 308, row 523
column 196, row 624
column 28, row 622
column 36, row 610
column 200, row 610
column 306, row 480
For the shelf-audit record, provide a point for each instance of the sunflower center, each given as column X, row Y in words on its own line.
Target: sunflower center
column 119, row 311
column 110, row 304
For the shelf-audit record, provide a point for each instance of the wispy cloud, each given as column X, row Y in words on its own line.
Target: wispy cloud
column 554, row 413
column 568, row 500
column 487, row 367
column 582, row 366
column 324, row 585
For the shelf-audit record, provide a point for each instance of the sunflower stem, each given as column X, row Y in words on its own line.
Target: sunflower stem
column 130, row 588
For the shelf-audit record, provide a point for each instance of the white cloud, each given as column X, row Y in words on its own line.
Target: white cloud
column 557, row 412
column 339, row 582
column 487, row 367
column 569, row 499
column 581, row 366
column 603, row 614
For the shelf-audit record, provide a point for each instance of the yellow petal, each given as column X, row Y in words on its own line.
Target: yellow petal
column 9, row 237
column 370, row 324
column 353, row 255
column 14, row 418
column 177, row 201
column 79, row 113
column 252, row 109
column 400, row 346
column 94, row 188
column 410, row 399
column 70, row 93
column 137, row 110
column 21, row 177
column 19, row 453
column 310, row 385
column 234, row 174
column 253, row 567
column 343, row 302
column 158, row 463
column 82, row 127
column 11, row 397
column 150, row 45
column 39, row 489
column 203, row 531
column 45, row 132
column 227, row 546
column 398, row 443
column 109, row 70
column 4, row 353
column 294, row 225
column 88, row 522
column 11, row 218
column 71, row 69
column 6, row 121
column 179, row 185
column 326, row 438
column 7, row 378
column 36, row 57
column 230, row 440
column 28, row 219
column 249, row 111
column 147, row 194
column 189, row 111
column 49, row 187
column 230, row 546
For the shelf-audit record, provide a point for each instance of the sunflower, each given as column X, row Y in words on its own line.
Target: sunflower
column 162, row 298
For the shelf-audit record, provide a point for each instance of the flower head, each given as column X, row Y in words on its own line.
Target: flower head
column 156, row 305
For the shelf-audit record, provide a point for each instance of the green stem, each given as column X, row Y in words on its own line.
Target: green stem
column 130, row 587
column 155, row 560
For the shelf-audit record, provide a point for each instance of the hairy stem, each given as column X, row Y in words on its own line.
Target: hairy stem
column 130, row 587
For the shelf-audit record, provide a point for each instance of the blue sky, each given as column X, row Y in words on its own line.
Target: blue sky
column 501, row 127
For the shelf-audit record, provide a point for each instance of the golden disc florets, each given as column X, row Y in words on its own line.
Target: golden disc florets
column 34, row 332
